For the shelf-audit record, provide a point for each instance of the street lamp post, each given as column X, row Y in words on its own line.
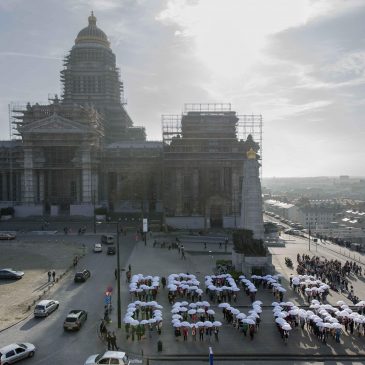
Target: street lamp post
column 309, row 234
column 118, row 280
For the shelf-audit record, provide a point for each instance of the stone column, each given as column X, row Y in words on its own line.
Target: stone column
column 86, row 175
column 41, row 186
column 95, row 187
column 195, row 191
column 235, row 197
column 28, row 176
column 119, row 183
column 4, row 191
column 179, row 187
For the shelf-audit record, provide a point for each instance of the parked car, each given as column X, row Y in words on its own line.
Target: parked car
column 98, row 248
column 111, row 250
column 15, row 352
column 10, row 274
column 7, row 236
column 75, row 319
column 108, row 357
column 107, row 239
column 45, row 307
column 82, row 276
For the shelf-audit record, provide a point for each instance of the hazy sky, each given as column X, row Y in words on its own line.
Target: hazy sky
column 299, row 63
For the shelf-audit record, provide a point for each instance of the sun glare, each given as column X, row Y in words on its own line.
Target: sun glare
column 229, row 37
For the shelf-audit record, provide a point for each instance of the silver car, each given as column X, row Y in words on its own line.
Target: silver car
column 108, row 357
column 15, row 352
column 45, row 307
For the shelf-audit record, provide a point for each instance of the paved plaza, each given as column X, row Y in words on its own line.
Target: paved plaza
column 162, row 262
column 233, row 347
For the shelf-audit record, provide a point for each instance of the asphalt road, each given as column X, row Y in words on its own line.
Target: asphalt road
column 54, row 345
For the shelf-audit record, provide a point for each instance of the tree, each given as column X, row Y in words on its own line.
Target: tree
column 244, row 242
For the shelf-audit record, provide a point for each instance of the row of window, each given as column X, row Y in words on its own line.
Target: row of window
column 88, row 84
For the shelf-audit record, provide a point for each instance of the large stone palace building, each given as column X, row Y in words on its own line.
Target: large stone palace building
column 82, row 151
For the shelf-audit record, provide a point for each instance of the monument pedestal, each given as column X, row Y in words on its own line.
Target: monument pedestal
column 250, row 265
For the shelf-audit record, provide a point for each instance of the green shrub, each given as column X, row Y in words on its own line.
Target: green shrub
column 7, row 211
column 100, row 211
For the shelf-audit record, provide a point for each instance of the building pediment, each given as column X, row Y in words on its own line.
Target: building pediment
column 55, row 124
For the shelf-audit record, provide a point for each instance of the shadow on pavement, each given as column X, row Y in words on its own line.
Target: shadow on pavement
column 6, row 282
column 32, row 322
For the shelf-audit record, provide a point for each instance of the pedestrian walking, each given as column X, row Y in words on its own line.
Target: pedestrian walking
column 109, row 340
column 54, row 275
column 163, row 282
column 103, row 330
column 106, row 315
column 49, row 275
column 113, row 339
column 116, row 274
column 128, row 276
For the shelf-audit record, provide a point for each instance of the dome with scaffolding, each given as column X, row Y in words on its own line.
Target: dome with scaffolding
column 92, row 34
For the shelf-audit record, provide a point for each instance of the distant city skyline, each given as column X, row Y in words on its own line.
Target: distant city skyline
column 301, row 64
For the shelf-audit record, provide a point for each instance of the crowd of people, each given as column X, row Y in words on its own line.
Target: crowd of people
column 194, row 318
column 331, row 272
column 144, row 288
column 221, row 288
column 142, row 318
column 183, row 286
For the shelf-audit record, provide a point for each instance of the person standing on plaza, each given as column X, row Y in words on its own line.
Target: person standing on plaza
column 216, row 332
column 244, row 328
column 49, row 275
column 54, row 275
column 201, row 333
column 251, row 331
column 193, row 332
column 185, row 333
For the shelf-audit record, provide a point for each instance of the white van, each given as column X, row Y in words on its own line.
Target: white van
column 107, row 239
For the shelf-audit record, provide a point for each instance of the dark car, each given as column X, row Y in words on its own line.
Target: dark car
column 7, row 236
column 75, row 319
column 10, row 274
column 82, row 276
column 111, row 250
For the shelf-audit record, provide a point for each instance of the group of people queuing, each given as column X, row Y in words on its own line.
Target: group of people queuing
column 108, row 336
column 309, row 287
column 322, row 320
column 332, row 272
